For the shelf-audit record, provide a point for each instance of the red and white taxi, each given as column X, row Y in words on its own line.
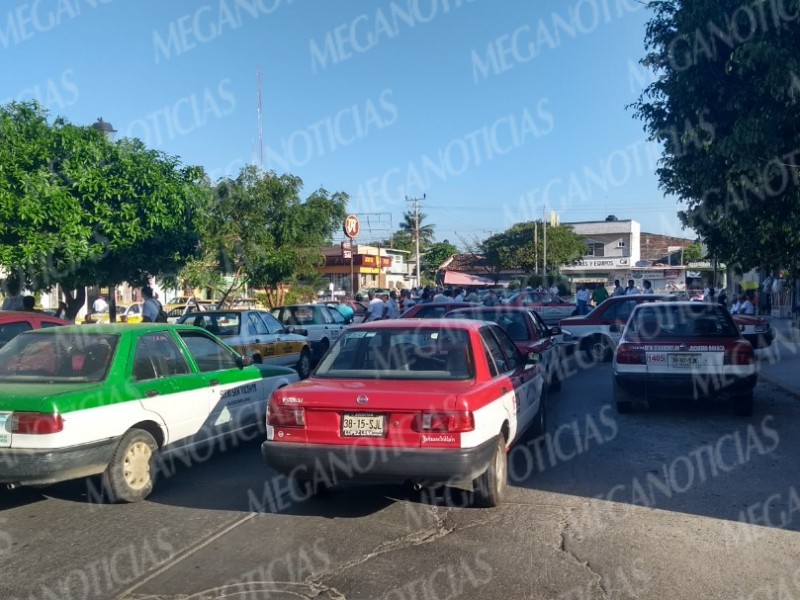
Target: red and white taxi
column 684, row 350
column 430, row 401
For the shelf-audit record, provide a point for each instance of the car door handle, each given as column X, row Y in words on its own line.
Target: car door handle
column 151, row 393
column 214, row 382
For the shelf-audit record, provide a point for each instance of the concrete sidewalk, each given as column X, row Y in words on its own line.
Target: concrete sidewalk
column 779, row 364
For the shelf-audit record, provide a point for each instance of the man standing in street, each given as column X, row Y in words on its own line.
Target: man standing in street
column 392, row 308
column 375, row 309
column 150, row 307
column 631, row 289
column 100, row 305
column 599, row 294
column 618, row 289
column 582, row 298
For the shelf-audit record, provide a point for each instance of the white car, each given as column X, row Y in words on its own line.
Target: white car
column 323, row 324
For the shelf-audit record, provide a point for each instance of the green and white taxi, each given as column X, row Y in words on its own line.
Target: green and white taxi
column 78, row 401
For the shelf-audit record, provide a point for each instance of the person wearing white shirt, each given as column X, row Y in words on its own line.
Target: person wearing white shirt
column 648, row 287
column 100, row 305
column 392, row 308
column 746, row 307
column 554, row 290
column 459, row 296
column 631, row 289
column 375, row 309
column 582, row 297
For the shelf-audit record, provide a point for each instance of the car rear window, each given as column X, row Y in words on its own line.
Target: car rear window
column 680, row 321
column 222, row 324
column 407, row 353
column 512, row 322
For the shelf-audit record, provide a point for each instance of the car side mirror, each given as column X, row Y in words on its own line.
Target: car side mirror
column 533, row 358
column 556, row 330
column 243, row 361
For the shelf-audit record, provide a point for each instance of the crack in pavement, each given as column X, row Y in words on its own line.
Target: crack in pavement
column 565, row 524
column 440, row 528
column 250, row 589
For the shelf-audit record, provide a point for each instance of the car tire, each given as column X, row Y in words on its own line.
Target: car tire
column 599, row 349
column 623, row 400
column 303, row 366
column 555, row 379
column 490, row 487
column 743, row 405
column 539, row 425
column 130, row 474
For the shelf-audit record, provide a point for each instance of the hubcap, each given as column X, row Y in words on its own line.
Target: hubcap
column 136, row 467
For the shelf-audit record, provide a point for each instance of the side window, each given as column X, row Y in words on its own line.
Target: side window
column 46, row 324
column 134, row 309
column 337, row 317
column 321, row 316
column 209, row 354
column 9, row 331
column 495, row 357
column 432, row 312
column 513, row 360
column 542, row 330
column 624, row 310
column 256, row 325
column 610, row 312
column 157, row 355
column 273, row 325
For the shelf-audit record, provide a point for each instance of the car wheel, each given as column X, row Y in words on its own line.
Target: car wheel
column 555, row 379
column 490, row 487
column 599, row 349
column 743, row 405
column 303, row 367
column 622, row 400
column 539, row 426
column 130, row 474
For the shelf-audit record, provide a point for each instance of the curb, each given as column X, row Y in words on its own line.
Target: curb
column 780, row 385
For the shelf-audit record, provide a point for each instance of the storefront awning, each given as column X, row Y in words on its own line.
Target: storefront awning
column 456, row 278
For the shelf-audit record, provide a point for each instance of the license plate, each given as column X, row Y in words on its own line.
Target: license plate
column 363, row 425
column 5, row 434
column 684, row 361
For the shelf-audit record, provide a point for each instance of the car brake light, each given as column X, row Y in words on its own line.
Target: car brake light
column 33, row 423
column 741, row 354
column 449, row 421
column 631, row 357
column 285, row 416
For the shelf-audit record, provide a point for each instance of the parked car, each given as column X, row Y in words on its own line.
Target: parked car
column 78, row 401
column 434, row 310
column 126, row 313
column 551, row 308
column 434, row 401
column 528, row 332
column 14, row 322
column 176, row 311
column 683, row 350
column 598, row 333
column 323, row 324
column 256, row 333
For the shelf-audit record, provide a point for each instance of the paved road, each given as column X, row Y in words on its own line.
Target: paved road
column 646, row 505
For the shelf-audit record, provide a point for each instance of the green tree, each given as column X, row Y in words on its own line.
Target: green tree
column 519, row 248
column 437, row 253
column 258, row 230
column 78, row 210
column 725, row 105
column 692, row 253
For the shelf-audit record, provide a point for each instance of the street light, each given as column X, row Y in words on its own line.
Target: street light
column 106, row 128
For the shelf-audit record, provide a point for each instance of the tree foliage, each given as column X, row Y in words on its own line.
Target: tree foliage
column 436, row 254
column 518, row 248
column 78, row 210
column 257, row 229
column 726, row 107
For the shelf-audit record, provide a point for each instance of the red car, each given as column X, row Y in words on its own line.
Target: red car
column 434, row 310
column 434, row 401
column 13, row 322
column 551, row 308
column 528, row 332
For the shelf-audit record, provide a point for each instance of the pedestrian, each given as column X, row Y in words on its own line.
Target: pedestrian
column 151, row 307
column 582, row 298
column 392, row 307
column 345, row 309
column 766, row 292
column 737, row 305
column 618, row 289
column 100, row 305
column 13, row 300
column 472, row 297
column 490, row 299
column 29, row 304
column 648, row 287
column 747, row 307
column 458, row 295
column 599, row 294
column 553, row 289
column 375, row 309
column 631, row 289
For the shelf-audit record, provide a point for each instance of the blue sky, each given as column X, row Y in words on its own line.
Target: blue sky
column 493, row 110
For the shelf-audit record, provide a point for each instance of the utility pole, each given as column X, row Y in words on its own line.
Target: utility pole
column 536, row 247
column 544, row 244
column 416, row 233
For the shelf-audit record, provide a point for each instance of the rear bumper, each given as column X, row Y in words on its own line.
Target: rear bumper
column 29, row 466
column 378, row 464
column 688, row 386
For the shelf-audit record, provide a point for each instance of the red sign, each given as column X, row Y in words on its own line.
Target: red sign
column 351, row 226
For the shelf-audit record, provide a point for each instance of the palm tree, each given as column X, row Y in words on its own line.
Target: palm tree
column 426, row 232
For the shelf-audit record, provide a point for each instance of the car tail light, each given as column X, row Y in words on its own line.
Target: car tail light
column 33, row 423
column 741, row 354
column 449, row 421
column 285, row 416
column 626, row 356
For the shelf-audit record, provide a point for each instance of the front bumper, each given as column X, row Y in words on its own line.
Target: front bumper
column 377, row 464
column 31, row 466
column 685, row 386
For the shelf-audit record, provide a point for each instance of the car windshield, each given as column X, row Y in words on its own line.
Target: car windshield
column 512, row 322
column 51, row 357
column 694, row 320
column 401, row 353
column 222, row 324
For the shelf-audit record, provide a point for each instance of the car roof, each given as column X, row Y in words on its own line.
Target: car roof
column 225, row 311
column 693, row 306
column 496, row 308
column 15, row 315
column 419, row 323
column 114, row 328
